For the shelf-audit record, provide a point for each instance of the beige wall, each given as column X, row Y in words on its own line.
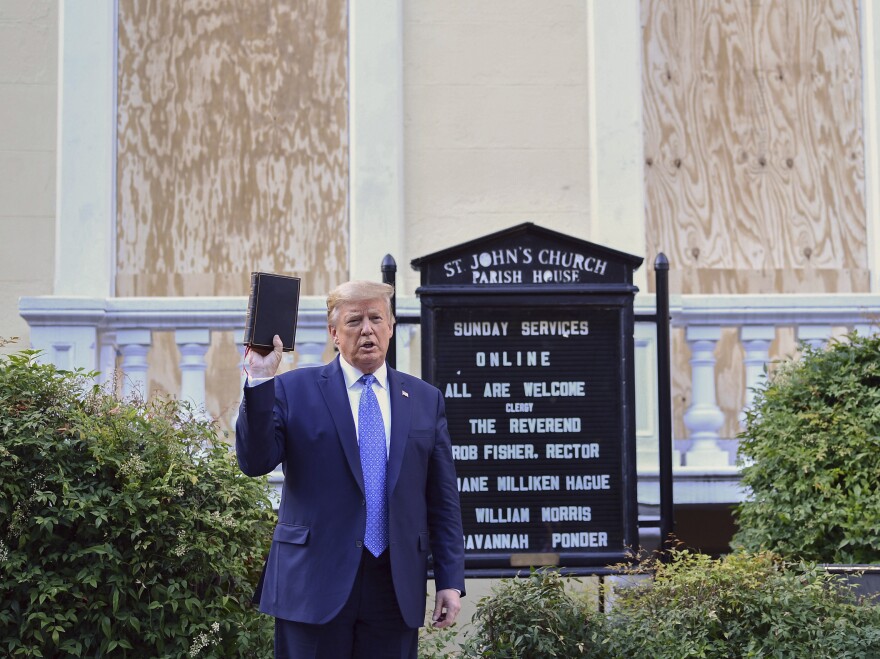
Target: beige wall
column 28, row 98
column 495, row 127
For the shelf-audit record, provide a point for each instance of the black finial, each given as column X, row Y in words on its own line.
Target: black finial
column 389, row 264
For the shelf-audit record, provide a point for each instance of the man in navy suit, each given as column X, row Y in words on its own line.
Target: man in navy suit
column 338, row 585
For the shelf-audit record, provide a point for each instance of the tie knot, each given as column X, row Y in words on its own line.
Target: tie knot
column 368, row 379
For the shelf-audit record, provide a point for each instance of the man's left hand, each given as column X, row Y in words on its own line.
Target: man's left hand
column 446, row 608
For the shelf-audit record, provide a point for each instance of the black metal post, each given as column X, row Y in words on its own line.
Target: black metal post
column 664, row 400
column 389, row 276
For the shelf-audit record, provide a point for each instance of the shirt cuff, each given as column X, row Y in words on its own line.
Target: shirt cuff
column 253, row 382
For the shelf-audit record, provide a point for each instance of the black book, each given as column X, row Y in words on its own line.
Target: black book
column 272, row 309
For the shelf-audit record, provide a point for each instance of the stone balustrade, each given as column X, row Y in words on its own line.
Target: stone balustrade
column 114, row 335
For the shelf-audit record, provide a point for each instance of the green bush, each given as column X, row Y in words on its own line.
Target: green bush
column 744, row 605
column 126, row 528
column 439, row 643
column 532, row 618
column 810, row 453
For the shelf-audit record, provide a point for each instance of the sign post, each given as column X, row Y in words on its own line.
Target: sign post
column 529, row 335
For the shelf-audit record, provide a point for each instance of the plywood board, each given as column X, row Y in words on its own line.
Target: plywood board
column 754, row 153
column 232, row 144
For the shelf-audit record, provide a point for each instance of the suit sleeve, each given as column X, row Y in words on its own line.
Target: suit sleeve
column 444, row 509
column 259, row 430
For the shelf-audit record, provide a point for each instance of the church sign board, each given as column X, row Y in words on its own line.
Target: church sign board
column 529, row 335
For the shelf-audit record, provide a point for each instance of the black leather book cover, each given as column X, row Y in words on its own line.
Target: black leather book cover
column 272, row 309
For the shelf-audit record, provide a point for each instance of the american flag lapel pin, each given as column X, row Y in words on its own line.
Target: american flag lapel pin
column 405, row 393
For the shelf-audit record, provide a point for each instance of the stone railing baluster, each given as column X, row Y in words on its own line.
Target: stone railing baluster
column 134, row 344
column 756, row 340
column 704, row 417
column 310, row 344
column 815, row 335
column 405, row 335
column 867, row 329
column 193, row 345
column 107, row 354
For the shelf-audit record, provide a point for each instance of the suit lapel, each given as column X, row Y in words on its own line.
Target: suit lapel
column 400, row 419
column 332, row 385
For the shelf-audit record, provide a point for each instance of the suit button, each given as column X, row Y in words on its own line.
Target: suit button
column 358, row 543
column 363, row 502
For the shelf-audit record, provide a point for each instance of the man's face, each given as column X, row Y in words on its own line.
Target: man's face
column 362, row 333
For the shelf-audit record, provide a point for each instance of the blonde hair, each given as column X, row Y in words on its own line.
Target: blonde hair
column 358, row 291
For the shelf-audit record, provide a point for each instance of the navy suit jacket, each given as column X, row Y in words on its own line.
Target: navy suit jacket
column 302, row 419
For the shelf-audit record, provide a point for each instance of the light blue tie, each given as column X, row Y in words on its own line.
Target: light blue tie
column 371, row 438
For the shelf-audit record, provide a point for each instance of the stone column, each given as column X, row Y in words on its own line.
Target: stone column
column 375, row 122
column 86, row 208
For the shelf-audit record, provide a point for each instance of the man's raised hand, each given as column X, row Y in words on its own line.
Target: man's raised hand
column 265, row 365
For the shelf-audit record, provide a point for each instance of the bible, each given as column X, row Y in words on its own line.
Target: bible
column 272, row 309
